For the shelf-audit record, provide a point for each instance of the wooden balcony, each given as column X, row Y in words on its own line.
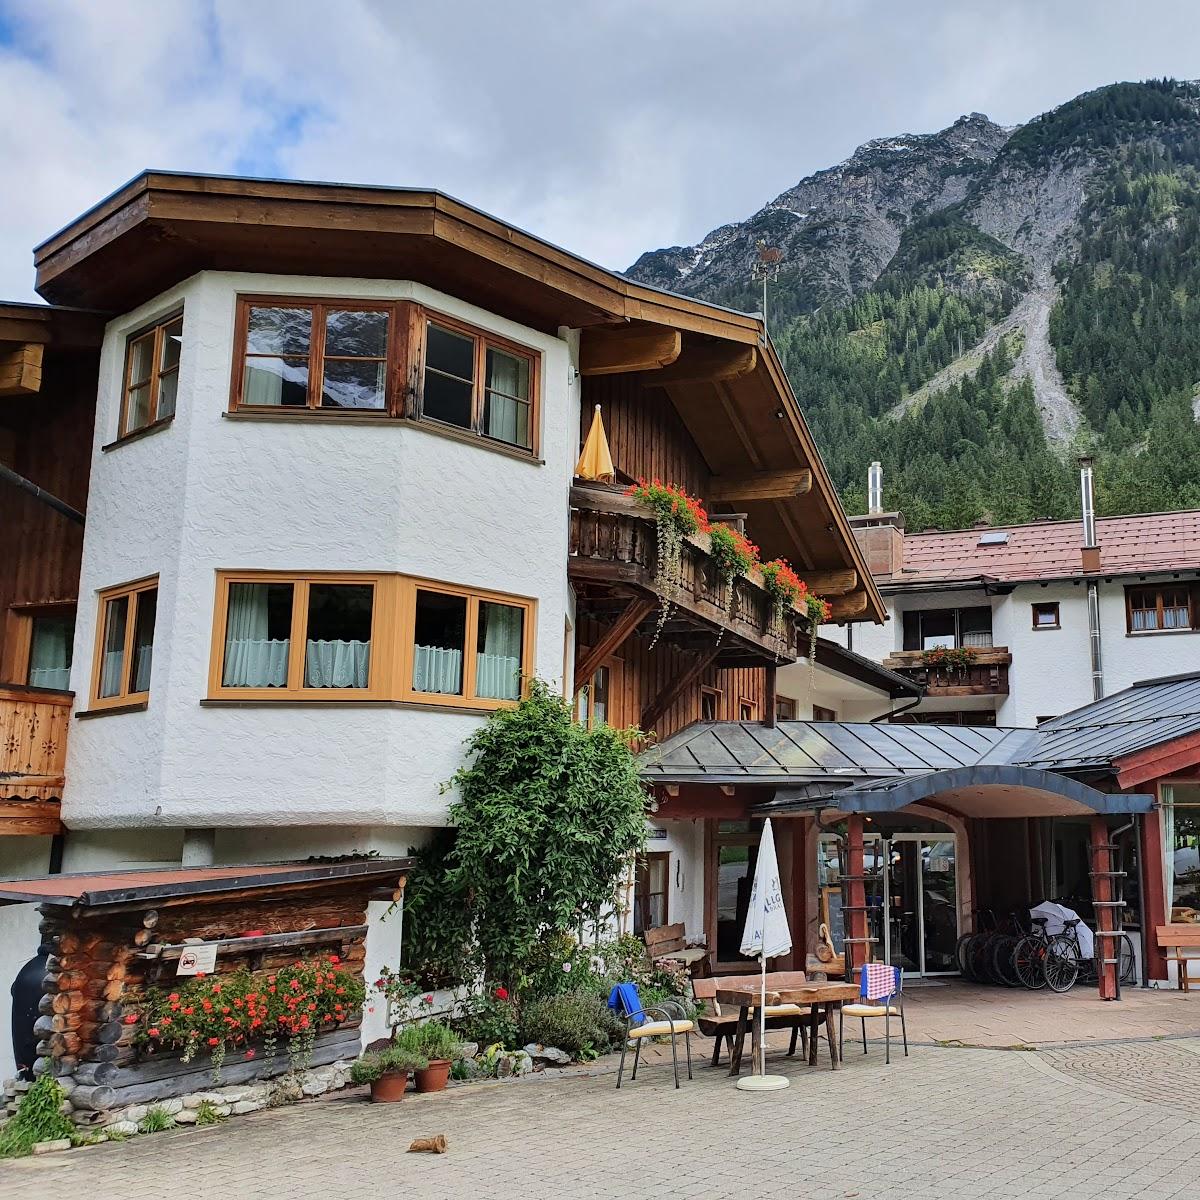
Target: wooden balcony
column 986, row 676
column 33, row 753
column 614, row 559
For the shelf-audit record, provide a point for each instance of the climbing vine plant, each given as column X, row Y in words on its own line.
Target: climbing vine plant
column 549, row 814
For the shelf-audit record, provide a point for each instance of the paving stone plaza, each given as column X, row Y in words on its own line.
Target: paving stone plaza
column 1085, row 1117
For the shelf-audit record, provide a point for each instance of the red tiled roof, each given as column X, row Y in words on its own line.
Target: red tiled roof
column 1051, row 550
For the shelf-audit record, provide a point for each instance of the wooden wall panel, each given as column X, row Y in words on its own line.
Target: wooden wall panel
column 647, row 438
column 644, row 673
column 48, row 439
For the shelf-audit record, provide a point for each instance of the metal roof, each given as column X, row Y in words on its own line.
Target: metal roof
column 866, row 670
column 750, row 752
column 1147, row 714
column 118, row 888
column 981, row 790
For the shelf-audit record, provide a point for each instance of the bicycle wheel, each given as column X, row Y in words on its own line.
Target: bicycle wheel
column 1127, row 966
column 980, row 959
column 1028, row 963
column 1062, row 965
column 1002, row 960
column 961, row 955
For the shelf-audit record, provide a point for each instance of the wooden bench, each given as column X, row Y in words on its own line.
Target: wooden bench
column 667, row 941
column 722, row 1026
column 1177, row 940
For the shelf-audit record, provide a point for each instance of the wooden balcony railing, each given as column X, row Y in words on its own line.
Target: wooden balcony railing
column 33, row 754
column 986, row 675
column 614, row 544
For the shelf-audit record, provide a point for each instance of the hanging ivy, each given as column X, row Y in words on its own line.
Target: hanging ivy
column 788, row 592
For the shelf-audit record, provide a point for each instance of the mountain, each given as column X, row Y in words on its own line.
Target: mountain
column 977, row 306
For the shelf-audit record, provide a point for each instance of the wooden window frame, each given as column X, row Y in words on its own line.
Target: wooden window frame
column 1157, row 589
column 752, row 705
column 18, row 637
column 393, row 629
column 124, row 698
column 1045, row 604
column 301, row 582
column 717, row 696
column 484, row 341
column 404, row 386
column 158, row 328
column 821, row 713
column 782, row 702
column 642, row 872
column 615, row 668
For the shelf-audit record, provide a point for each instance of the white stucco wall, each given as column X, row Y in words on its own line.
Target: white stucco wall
column 685, row 896
column 207, row 492
column 850, row 699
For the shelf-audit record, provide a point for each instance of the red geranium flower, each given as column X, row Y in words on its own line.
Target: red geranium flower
column 214, row 1041
column 131, row 1019
column 333, row 958
column 502, row 993
column 152, row 1032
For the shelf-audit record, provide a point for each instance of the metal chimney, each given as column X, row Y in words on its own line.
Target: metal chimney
column 1088, row 498
column 1091, row 565
column 874, row 489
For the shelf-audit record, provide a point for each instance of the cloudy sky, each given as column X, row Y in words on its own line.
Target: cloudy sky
column 609, row 127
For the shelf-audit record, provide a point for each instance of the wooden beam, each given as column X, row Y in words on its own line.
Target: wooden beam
column 23, row 818
column 853, row 605
column 21, row 370
column 770, row 699
column 705, row 364
column 636, row 611
column 762, row 485
column 614, row 350
column 675, row 688
column 831, row 583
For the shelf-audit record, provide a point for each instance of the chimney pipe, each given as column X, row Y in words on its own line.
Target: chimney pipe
column 1088, row 499
column 1091, row 563
column 875, row 489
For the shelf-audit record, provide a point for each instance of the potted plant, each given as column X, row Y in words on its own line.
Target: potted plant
column 387, row 1072
column 435, row 1042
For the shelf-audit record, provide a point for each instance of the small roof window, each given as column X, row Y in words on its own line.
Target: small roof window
column 994, row 537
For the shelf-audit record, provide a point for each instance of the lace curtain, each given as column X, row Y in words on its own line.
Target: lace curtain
column 50, row 655
column 498, row 664
column 437, row 669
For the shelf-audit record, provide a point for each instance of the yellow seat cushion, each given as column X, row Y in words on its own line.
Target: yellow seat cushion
column 785, row 1010
column 869, row 1010
column 660, row 1029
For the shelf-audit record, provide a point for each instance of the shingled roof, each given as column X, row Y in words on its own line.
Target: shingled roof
column 1042, row 550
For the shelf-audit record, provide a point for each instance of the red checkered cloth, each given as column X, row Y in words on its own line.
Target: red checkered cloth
column 879, row 980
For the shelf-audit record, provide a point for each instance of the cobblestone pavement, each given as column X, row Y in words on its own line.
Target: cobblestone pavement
column 943, row 1123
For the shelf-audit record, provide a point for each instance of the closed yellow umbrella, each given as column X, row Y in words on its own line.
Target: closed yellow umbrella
column 596, row 460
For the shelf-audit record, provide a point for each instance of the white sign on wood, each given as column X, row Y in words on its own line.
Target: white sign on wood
column 197, row 960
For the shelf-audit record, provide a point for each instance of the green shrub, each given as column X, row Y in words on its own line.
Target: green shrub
column 38, row 1119
column 207, row 1113
column 488, row 1018
column 431, row 1039
column 367, row 1068
column 578, row 1022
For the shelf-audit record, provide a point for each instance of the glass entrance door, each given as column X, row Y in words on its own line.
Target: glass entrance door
column 922, row 903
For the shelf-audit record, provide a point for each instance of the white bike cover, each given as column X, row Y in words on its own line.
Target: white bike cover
column 1057, row 915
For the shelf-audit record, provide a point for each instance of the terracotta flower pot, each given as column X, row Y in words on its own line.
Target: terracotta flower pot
column 389, row 1087
column 433, row 1077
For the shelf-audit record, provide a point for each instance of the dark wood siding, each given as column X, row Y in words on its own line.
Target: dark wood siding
column 47, row 438
column 645, row 434
column 645, row 673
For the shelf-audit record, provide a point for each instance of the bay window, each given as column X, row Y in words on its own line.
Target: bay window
column 121, row 675
column 389, row 358
column 367, row 637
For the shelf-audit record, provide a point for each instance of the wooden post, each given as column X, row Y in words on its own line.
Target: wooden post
column 858, row 949
column 1103, row 896
column 1155, row 910
column 770, row 706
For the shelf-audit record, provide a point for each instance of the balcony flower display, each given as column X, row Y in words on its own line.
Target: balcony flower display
column 948, row 657
column 677, row 515
column 787, row 591
column 732, row 554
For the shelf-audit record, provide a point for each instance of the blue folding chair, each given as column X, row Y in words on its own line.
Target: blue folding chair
column 881, row 994
column 672, row 1021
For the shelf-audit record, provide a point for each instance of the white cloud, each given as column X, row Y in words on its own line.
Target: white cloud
column 609, row 127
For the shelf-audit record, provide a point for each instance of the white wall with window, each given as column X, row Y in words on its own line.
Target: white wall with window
column 342, row 591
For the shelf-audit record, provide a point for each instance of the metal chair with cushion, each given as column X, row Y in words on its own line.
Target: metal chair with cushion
column 881, row 995
column 671, row 1022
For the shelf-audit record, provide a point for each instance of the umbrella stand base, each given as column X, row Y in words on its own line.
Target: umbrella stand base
column 762, row 1083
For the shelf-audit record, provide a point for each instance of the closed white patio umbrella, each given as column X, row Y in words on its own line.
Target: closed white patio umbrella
column 767, row 935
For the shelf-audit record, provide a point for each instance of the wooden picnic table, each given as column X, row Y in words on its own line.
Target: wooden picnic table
column 822, row 1000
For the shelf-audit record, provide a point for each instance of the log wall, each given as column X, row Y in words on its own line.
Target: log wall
column 102, row 964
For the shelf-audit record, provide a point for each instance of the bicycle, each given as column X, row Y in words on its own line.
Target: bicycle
column 1029, row 955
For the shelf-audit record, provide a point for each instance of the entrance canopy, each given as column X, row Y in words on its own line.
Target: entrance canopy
column 979, row 791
